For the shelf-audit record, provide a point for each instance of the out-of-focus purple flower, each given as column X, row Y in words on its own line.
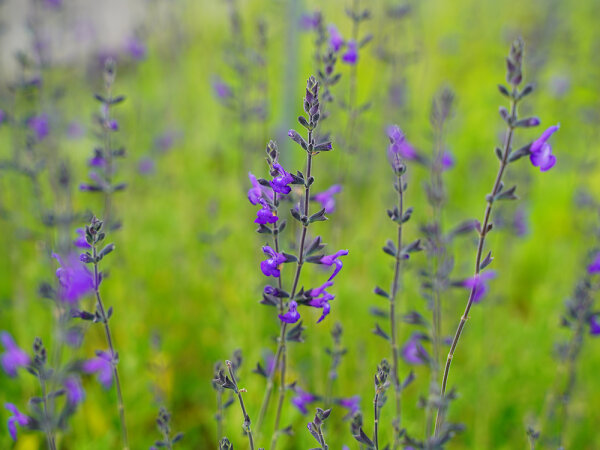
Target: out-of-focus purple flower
column 594, row 267
column 17, row 418
column 102, row 366
column 327, row 199
column 146, row 165
column 40, row 125
column 75, row 130
column 165, row 141
column 350, row 56
column 330, row 260
column 413, row 351
column 75, row 279
column 335, row 38
column 480, row 284
column 270, row 267
column 352, row 404
column 265, row 214
column 447, row 160
column 302, row 399
column 310, row 21
column 281, row 181
column 14, row 357
column 541, row 152
column 2, row 116
column 399, row 148
column 75, row 392
column 136, row 48
column 80, row 241
column 292, row 316
column 520, row 222
column 113, row 125
column 594, row 325
column 255, row 192
column 221, row 89
column 321, row 298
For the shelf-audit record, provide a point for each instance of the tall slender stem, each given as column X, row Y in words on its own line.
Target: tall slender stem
column 246, row 416
column 281, row 351
column 47, row 428
column 376, row 420
column 109, row 340
column 482, row 235
column 393, row 314
column 219, row 417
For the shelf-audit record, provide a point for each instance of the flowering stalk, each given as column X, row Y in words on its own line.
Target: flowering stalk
column 94, row 235
column 336, row 358
column 163, row 422
column 39, row 367
column 316, row 427
column 540, row 155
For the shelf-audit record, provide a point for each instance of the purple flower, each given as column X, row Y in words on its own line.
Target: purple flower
column 399, row 148
column 594, row 325
column 330, row 260
column 81, row 242
column 302, row 399
column 270, row 267
column 447, row 160
column 265, row 214
column 292, row 316
column 352, row 404
column 2, row 116
column 102, row 366
column 165, row 141
column 75, row 392
column 321, row 298
column 350, row 56
column 327, row 199
column 280, row 182
column 255, row 192
column 40, row 125
column 541, row 152
column 310, row 21
column 14, row 357
column 75, row 279
column 479, row 284
column 146, row 165
column 113, row 125
column 413, row 351
column 136, row 48
column 17, row 418
column 594, row 267
column 335, row 38
column 221, row 89
column 520, row 222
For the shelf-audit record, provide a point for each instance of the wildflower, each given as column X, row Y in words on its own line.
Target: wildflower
column 102, row 366
column 352, row 404
column 479, row 284
column 310, row 21
column 280, row 182
column 136, row 48
column 541, row 152
column 292, row 316
column 413, row 351
column 221, row 89
column 321, row 298
column 265, row 214
column 270, row 267
column 594, row 267
column 327, row 199
column 335, row 38
column 75, row 279
column 351, row 54
column 330, row 260
column 399, row 148
column 255, row 192
column 75, row 392
column 302, row 399
column 146, row 165
column 14, row 357
column 17, row 418
column 98, row 159
column 40, row 125
column 447, row 160
column 81, row 242
column 594, row 325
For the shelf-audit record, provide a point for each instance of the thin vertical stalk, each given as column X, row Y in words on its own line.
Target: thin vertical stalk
column 109, row 340
column 482, row 235
column 219, row 413
column 376, row 420
column 49, row 436
column 246, row 416
column 394, row 313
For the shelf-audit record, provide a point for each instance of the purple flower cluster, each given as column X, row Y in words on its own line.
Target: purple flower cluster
column 13, row 358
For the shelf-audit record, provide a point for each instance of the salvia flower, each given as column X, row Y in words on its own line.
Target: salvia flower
column 17, row 418
column 541, row 152
column 350, row 56
column 75, row 279
column 447, row 160
column 40, row 125
column 102, row 366
column 335, row 38
column 330, row 260
column 75, row 392
column 270, row 267
column 594, row 267
column 327, row 199
column 399, row 148
column 136, row 48
column 352, row 404
column 292, row 316
column 302, row 399
column 14, row 357
column 310, row 21
column 594, row 325
column 221, row 89
column 281, row 181
column 81, row 242
column 413, row 351
column 265, row 214
column 480, row 284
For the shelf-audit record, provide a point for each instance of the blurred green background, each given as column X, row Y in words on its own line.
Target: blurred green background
column 186, row 267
